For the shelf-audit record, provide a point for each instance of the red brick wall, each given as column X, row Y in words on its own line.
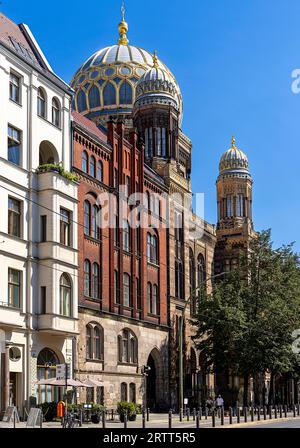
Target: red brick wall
column 128, row 158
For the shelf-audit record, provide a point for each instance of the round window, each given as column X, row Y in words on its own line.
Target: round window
column 109, row 72
column 125, row 71
column 14, row 354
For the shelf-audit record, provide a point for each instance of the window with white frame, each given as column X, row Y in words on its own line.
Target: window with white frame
column 15, row 88
column 14, row 217
column 14, row 145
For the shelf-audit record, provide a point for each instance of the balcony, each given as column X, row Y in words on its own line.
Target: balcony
column 54, row 177
column 57, row 324
column 10, row 316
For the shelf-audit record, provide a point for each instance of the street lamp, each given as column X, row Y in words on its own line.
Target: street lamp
column 181, row 336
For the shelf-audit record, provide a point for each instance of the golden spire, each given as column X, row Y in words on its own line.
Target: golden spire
column 233, row 142
column 155, row 59
column 123, row 28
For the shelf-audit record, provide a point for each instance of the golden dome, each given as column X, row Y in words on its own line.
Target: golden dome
column 106, row 82
column 234, row 160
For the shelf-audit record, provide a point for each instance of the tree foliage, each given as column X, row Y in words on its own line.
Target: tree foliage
column 245, row 325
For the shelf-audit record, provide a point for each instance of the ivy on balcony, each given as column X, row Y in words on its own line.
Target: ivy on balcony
column 57, row 168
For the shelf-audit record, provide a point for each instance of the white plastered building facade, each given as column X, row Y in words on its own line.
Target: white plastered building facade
column 38, row 230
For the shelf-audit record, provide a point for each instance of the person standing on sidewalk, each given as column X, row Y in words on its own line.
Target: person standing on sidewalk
column 220, row 404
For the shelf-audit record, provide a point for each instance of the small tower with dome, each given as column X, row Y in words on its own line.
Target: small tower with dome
column 156, row 113
column 234, row 197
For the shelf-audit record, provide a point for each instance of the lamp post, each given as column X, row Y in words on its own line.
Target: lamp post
column 186, row 303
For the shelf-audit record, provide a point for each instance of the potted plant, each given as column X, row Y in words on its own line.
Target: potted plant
column 125, row 407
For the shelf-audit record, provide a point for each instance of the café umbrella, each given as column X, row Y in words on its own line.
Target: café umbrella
column 91, row 383
column 62, row 383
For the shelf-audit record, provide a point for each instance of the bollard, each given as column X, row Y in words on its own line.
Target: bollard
column 258, row 413
column 238, row 415
column 188, row 414
column 245, row 414
column 125, row 420
column 294, row 411
column 103, row 419
column 143, row 419
column 252, row 414
column 265, row 412
column 148, row 415
column 14, row 419
column 270, row 412
column 222, row 416
column 180, row 414
column 194, row 414
column 285, row 411
column 206, row 413
column 298, row 409
column 200, row 413
column 230, row 415
column 170, row 419
column 275, row 412
column 213, row 418
column 280, row 411
column 112, row 415
column 198, row 420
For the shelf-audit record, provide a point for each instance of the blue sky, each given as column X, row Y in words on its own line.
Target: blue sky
column 233, row 60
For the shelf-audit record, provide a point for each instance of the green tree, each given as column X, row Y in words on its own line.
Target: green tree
column 245, row 325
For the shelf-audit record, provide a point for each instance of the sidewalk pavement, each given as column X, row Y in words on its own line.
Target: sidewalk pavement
column 161, row 421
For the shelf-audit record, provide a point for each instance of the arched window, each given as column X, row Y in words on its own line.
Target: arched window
column 147, row 201
column 116, row 287
column 155, row 301
column 147, row 142
column 158, row 142
column 100, row 171
column 84, row 162
column 89, row 353
column 126, row 290
column 128, row 347
column 94, row 342
column 124, row 392
column 154, row 249
column 92, row 166
column 192, row 276
column 229, row 207
column 126, row 236
column 132, row 393
column 149, row 247
column 179, row 283
column 97, row 343
column 65, row 296
column 149, row 297
column 201, row 271
column 46, row 369
column 164, row 143
column 81, row 101
column 96, row 281
column 125, row 93
column 94, row 97
column 109, row 94
column 55, row 112
column 95, row 222
column 87, row 218
column 240, row 205
column 87, row 278
column 42, row 103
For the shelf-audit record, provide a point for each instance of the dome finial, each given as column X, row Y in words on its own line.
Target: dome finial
column 233, row 141
column 155, row 59
column 123, row 27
